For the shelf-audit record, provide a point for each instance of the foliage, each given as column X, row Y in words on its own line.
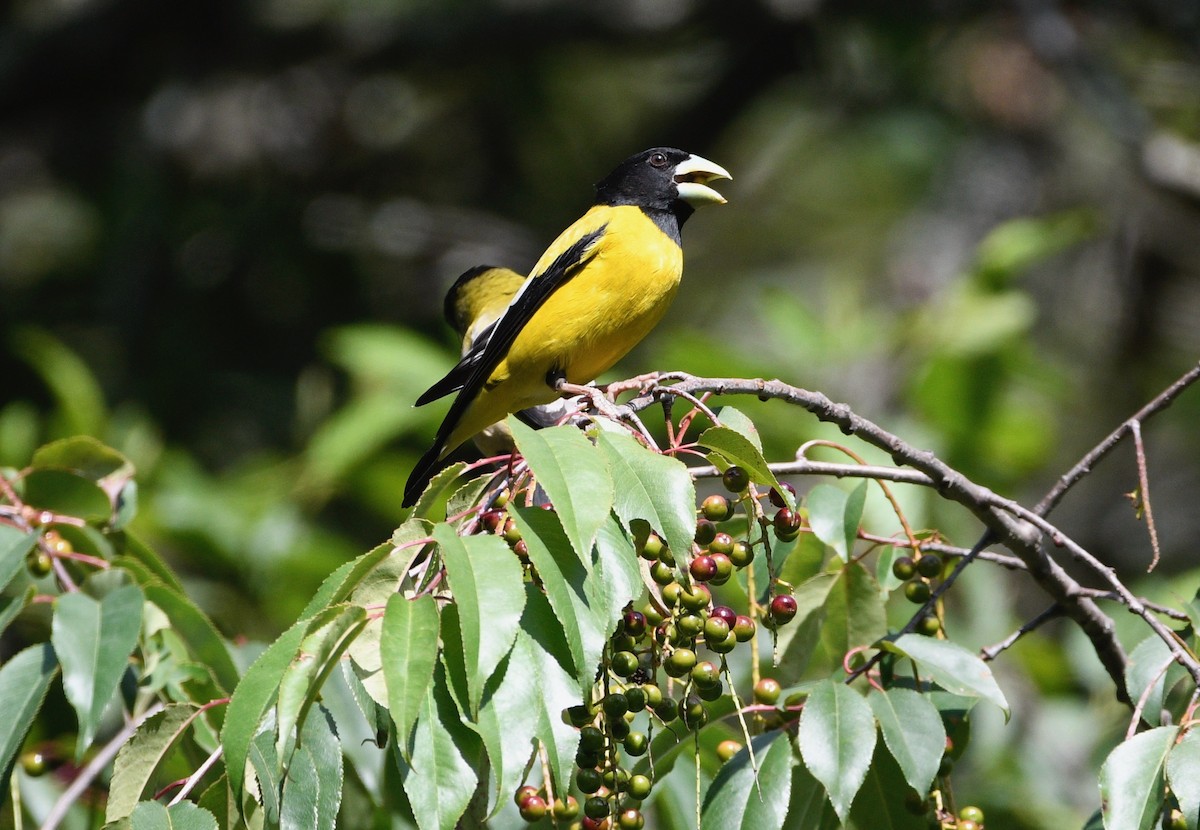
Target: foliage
column 527, row 641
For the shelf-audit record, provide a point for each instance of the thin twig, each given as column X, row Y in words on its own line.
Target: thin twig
column 1085, row 464
column 195, row 777
column 992, row 652
column 1145, row 697
column 1144, row 489
column 94, row 767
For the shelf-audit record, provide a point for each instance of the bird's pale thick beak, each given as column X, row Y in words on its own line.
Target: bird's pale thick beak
column 692, row 176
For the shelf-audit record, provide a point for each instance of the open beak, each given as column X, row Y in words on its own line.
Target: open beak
column 692, row 176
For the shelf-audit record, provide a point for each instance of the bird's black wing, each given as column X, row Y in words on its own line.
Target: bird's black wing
column 473, row 370
column 492, row 344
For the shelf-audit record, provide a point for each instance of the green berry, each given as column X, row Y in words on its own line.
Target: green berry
column 671, row 592
column 639, row 787
column 706, row 674
column 631, row 819
column 662, row 574
column 565, row 810
column 588, row 781
column 696, row 599
column 904, row 568
column 693, row 713
column 652, row 547
column 716, row 508
column 917, row 592
column 615, row 705
column 727, row 749
column 767, row 691
column 721, row 543
column 715, row 630
column 534, row 808
column 596, row 807
column 654, row 695
column 624, row 663
column 579, row 716
column 971, row 813
column 667, row 710
column 680, row 662
column 741, row 555
column 929, row 625
column 723, row 646
column 636, row 696
column 34, row 763
column 743, row 628
column 690, row 625
column 636, row 744
column 591, row 739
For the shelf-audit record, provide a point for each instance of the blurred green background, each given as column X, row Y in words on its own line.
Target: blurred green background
column 226, row 229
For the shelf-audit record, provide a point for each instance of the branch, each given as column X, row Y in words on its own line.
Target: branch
column 1018, row 535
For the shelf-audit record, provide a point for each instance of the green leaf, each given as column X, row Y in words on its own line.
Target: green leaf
column 62, row 491
column 837, row 740
column 197, row 630
column 951, row 666
column 805, row 560
column 141, row 756
column 85, row 456
column 409, row 648
column 329, row 635
column 809, row 807
column 267, row 770
column 740, row 423
column 1132, row 782
column 733, row 448
column 798, row 640
column 24, row 681
column 835, row 514
column 441, row 778
column 372, row 588
column 488, row 585
column 563, row 576
column 1183, row 773
column 151, row 815
column 880, row 801
column 11, row 606
column 15, row 545
column 652, row 487
column 1147, row 668
column 93, row 640
column 256, row 691
column 312, row 791
column 854, row 613
column 913, row 732
column 574, row 475
column 733, row 801
column 445, row 482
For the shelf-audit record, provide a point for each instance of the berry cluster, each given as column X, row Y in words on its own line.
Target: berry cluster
column 665, row 663
column 918, row 575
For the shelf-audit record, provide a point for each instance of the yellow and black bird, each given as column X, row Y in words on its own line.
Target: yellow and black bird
column 473, row 304
column 594, row 294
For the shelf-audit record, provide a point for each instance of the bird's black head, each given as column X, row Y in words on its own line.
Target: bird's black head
column 662, row 179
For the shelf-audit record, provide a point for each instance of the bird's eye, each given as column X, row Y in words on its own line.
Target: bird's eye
column 658, row 160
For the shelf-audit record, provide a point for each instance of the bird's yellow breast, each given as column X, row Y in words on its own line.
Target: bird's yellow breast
column 607, row 307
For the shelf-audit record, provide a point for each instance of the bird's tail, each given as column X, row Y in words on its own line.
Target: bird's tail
column 422, row 472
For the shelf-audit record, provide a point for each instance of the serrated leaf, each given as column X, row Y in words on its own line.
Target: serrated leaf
column 809, row 807
column 372, row 589
column 1146, row 668
column 197, row 630
column 256, row 691
column 268, row 772
column 12, row 606
column 151, row 815
column 488, row 585
column 574, row 475
column 854, row 613
column 799, row 638
column 409, row 648
column 652, row 487
column 837, row 740
column 15, row 545
column 835, row 514
column 913, row 732
column 564, row 576
column 93, row 640
column 328, row 636
column 1183, row 774
column 140, row 756
column 1132, row 781
column 312, row 791
column 733, row 801
column 540, row 648
column 24, row 681
column 444, row 483
column 440, row 779
column 952, row 667
column 733, row 448
column 880, row 804
column 740, row 423
column 89, row 458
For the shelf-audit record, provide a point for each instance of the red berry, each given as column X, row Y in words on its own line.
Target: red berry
column 525, row 793
column 724, row 612
column 743, row 628
column 777, row 499
column 703, row 568
column 635, row 623
column 783, row 608
column 533, row 809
